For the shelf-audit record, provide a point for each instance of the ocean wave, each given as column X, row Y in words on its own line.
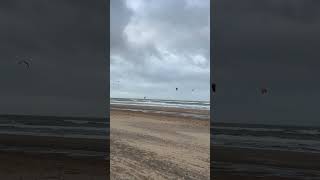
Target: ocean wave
column 183, row 114
column 201, row 105
column 272, row 143
column 293, row 138
column 53, row 134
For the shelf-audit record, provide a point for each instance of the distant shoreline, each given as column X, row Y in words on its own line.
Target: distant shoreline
column 162, row 99
column 165, row 111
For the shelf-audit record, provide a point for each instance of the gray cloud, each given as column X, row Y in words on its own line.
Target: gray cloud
column 157, row 46
column 66, row 40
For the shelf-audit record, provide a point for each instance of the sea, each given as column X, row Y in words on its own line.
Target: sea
column 155, row 105
column 52, row 135
column 266, row 137
column 184, row 104
column 273, row 137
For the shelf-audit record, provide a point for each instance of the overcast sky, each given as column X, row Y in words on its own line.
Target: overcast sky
column 66, row 40
column 272, row 44
column 158, row 46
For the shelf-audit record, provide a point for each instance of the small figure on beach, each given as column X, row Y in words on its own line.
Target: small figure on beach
column 176, row 89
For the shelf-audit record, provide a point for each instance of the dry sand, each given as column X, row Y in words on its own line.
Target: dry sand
column 154, row 146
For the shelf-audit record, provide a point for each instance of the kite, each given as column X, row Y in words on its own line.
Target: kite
column 213, row 87
column 25, row 61
column 264, row 91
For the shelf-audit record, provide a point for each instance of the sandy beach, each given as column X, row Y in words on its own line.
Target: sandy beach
column 231, row 163
column 53, row 148
column 22, row 166
column 146, row 145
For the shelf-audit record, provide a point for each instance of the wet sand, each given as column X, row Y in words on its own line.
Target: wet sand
column 22, row 166
column 157, row 146
column 31, row 157
column 255, row 164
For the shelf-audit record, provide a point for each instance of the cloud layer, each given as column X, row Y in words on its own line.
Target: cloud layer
column 157, row 46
